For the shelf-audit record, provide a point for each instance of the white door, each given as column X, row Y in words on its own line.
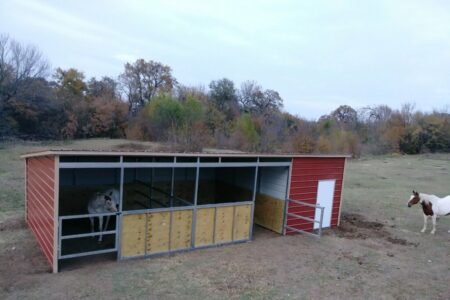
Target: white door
column 325, row 193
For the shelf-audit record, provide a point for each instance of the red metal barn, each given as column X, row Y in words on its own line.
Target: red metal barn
column 170, row 202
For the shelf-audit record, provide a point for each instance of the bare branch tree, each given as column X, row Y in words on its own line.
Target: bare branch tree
column 253, row 98
column 18, row 64
column 143, row 80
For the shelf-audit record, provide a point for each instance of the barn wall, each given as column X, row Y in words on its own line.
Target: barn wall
column 306, row 173
column 40, row 195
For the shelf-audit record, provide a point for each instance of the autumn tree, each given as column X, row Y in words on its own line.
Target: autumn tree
column 346, row 116
column 20, row 66
column 70, row 82
column 143, row 80
column 253, row 98
column 223, row 94
column 106, row 87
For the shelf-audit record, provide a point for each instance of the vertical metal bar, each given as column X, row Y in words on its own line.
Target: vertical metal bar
column 253, row 199
column 172, row 184
column 59, row 237
column 288, row 186
column 321, row 220
column 119, row 214
column 194, row 212
column 340, row 196
column 55, row 214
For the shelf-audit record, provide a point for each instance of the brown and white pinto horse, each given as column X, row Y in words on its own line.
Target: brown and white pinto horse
column 432, row 206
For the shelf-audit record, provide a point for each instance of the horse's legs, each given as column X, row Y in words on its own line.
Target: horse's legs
column 92, row 224
column 100, row 227
column 106, row 224
column 434, row 224
column 425, row 219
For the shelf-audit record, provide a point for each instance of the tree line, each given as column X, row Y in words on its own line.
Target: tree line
column 146, row 102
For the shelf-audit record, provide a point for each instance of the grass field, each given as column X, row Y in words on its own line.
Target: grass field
column 377, row 253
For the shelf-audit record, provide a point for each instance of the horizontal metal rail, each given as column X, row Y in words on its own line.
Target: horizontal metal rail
column 224, row 204
column 303, row 231
column 302, row 203
column 62, row 237
column 66, row 256
column 82, row 235
column 88, row 216
column 150, row 210
column 301, row 217
column 313, row 220
column 90, row 165
column 178, row 208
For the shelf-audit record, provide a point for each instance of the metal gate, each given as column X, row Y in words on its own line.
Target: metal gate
column 315, row 233
column 82, row 243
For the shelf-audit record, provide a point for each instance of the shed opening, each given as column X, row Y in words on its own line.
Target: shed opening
column 224, row 185
column 76, row 188
column 270, row 200
column 154, row 188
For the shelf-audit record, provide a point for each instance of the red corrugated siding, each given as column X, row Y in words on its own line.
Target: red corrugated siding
column 306, row 173
column 40, row 201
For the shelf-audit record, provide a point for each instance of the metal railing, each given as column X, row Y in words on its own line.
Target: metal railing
column 62, row 237
column 313, row 220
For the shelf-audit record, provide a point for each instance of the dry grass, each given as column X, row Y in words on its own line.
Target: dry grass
column 388, row 261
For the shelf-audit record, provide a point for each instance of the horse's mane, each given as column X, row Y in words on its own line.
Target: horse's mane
column 426, row 197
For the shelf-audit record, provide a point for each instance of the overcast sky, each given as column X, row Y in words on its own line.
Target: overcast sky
column 316, row 54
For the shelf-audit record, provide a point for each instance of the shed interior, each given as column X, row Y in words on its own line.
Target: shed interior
column 155, row 196
column 76, row 188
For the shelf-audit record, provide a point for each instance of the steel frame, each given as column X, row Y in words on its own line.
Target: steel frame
column 62, row 237
column 121, row 165
column 319, row 234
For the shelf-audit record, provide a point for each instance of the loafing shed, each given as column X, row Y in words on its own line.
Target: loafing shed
column 169, row 202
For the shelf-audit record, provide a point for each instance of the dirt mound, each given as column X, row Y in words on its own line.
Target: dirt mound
column 356, row 226
column 401, row 242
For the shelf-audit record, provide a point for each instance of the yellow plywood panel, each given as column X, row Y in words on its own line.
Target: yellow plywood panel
column 158, row 228
column 204, row 231
column 269, row 212
column 241, row 228
column 278, row 216
column 133, row 235
column 180, row 235
column 224, row 224
column 260, row 217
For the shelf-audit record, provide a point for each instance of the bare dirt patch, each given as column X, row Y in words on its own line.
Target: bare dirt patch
column 15, row 223
column 19, row 257
column 356, row 226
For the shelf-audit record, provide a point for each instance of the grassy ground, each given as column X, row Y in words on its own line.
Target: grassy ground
column 377, row 252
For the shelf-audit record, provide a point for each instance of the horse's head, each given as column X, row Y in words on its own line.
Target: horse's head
column 414, row 199
column 111, row 198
